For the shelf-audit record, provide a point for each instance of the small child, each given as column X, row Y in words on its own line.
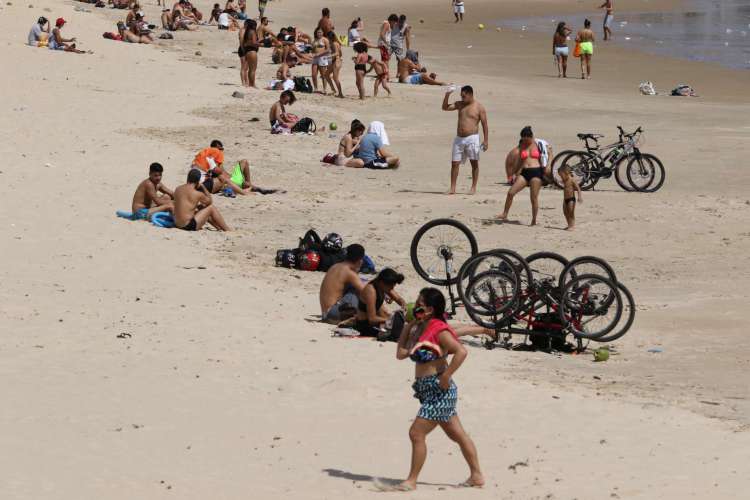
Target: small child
column 381, row 70
column 570, row 187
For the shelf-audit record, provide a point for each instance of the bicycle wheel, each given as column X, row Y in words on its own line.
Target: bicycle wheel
column 558, row 160
column 586, row 310
column 439, row 248
column 492, row 294
column 586, row 265
column 546, row 268
column 648, row 175
column 621, row 175
column 483, row 261
column 627, row 318
column 582, row 167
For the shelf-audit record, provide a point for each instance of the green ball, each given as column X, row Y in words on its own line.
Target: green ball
column 333, row 126
column 601, row 354
column 410, row 311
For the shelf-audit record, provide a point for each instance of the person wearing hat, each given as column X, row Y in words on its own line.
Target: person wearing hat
column 38, row 35
column 57, row 42
column 140, row 29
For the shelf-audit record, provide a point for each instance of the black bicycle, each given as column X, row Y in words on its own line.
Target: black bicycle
column 642, row 172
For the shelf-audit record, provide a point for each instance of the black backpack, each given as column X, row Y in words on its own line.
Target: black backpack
column 302, row 84
column 305, row 125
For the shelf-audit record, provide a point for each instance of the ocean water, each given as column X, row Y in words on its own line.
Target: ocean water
column 703, row 30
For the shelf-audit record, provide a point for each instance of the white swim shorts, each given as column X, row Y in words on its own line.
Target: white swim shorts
column 466, row 148
column 458, row 8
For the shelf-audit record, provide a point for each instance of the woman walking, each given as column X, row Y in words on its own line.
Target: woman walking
column 248, row 52
column 585, row 40
column 334, row 69
column 429, row 341
column 531, row 168
column 560, row 49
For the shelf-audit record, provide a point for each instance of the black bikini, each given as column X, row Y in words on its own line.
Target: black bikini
column 530, row 173
column 360, row 67
column 363, row 326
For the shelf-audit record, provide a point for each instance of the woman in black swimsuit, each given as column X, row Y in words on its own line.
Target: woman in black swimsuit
column 248, row 52
column 531, row 174
column 360, row 66
column 370, row 313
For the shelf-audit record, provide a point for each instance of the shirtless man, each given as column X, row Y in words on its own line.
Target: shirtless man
column 466, row 144
column 193, row 208
column 325, row 22
column 266, row 36
column 413, row 73
column 341, row 286
column 608, row 18
column 147, row 195
column 278, row 116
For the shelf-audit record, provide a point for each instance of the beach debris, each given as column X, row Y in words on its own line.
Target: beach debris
column 469, row 46
column 712, row 403
column 200, row 43
column 254, row 119
column 514, row 466
column 421, row 21
column 198, row 53
column 124, row 335
column 656, row 350
column 627, row 38
column 237, row 94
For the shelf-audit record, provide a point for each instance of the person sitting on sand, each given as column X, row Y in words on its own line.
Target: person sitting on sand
column 227, row 22
column 39, row 33
column 266, row 36
column 410, row 71
column 193, row 206
column 147, row 199
column 371, row 151
column 57, row 42
column 341, row 286
column 210, row 162
column 284, row 79
column 139, row 28
column 428, row 341
column 215, row 13
column 193, row 12
column 349, row 146
column 371, row 311
column 134, row 9
column 281, row 121
column 126, row 35
column 180, row 18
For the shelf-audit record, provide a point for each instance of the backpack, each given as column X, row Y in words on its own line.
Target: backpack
column 304, row 125
column 288, row 258
column 302, row 84
column 310, row 241
column 683, row 90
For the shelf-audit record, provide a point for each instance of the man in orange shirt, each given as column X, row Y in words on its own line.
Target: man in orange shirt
column 210, row 162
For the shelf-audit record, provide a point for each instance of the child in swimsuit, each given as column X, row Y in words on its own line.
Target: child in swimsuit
column 381, row 70
column 570, row 188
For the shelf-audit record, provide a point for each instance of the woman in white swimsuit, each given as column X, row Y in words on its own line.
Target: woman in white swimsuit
column 560, row 49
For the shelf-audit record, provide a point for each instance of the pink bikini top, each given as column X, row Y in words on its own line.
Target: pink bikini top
column 534, row 154
column 430, row 337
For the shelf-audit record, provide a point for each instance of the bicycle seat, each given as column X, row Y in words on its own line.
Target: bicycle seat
column 589, row 136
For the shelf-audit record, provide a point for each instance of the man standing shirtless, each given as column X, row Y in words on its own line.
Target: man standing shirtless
column 147, row 197
column 341, row 286
column 193, row 208
column 608, row 18
column 466, row 144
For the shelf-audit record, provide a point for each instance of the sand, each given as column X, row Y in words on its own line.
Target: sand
column 225, row 386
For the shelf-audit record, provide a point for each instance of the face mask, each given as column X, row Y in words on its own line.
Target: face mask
column 419, row 313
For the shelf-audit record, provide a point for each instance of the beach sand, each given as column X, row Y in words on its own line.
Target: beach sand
column 226, row 386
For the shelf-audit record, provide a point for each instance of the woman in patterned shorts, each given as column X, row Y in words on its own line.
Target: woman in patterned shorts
column 428, row 341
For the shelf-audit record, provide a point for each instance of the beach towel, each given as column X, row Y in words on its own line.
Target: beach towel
column 140, row 214
column 162, row 219
column 378, row 129
column 647, row 88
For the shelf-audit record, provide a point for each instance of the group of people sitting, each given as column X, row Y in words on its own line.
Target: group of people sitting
column 42, row 34
column 191, row 203
column 358, row 149
column 182, row 16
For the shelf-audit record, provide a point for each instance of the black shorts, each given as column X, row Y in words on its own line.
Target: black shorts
column 267, row 43
column 377, row 164
column 531, row 173
column 365, row 329
column 191, row 226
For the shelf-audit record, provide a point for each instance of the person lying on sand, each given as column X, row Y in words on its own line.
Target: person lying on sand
column 279, row 118
column 411, row 72
column 147, row 195
column 193, row 206
column 341, row 286
column 139, row 28
column 284, row 79
column 210, row 162
column 57, row 42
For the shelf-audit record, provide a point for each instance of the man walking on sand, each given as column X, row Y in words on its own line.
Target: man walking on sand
column 608, row 18
column 466, row 144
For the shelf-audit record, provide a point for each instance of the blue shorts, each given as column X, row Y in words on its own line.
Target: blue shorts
column 415, row 79
column 437, row 405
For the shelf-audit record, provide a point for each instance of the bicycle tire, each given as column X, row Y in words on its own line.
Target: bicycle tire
column 570, row 270
column 425, row 272
column 560, row 158
column 621, row 177
column 484, row 313
column 628, row 312
column 581, row 165
column 591, row 309
column 475, row 265
column 658, row 174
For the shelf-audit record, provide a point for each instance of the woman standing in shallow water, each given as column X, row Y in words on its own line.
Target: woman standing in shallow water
column 428, row 341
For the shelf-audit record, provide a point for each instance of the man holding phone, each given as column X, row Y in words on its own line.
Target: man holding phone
column 193, row 206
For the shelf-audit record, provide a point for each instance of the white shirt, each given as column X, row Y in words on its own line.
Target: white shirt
column 224, row 19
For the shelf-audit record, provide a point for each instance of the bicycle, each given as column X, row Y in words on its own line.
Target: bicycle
column 644, row 172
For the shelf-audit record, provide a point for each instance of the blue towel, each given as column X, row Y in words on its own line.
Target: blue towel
column 141, row 213
column 162, row 219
